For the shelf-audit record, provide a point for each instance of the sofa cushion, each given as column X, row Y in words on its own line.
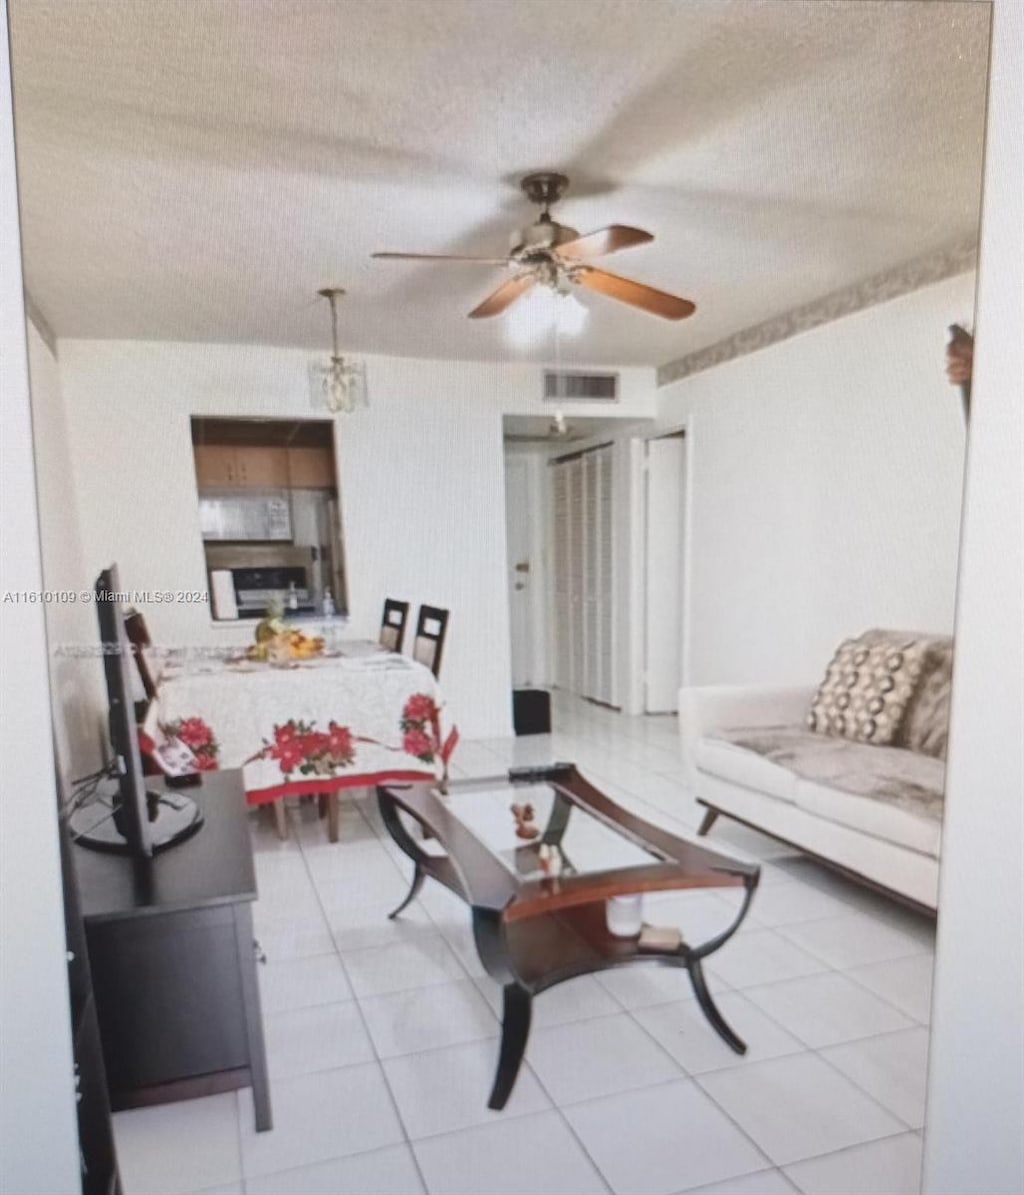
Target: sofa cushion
column 885, row 791
column 730, row 758
column 898, row 822
column 867, row 686
column 925, row 724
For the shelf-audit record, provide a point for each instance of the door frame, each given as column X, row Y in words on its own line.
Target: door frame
column 538, row 516
column 684, row 428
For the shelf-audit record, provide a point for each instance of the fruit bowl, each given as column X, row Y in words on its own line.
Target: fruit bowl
column 280, row 644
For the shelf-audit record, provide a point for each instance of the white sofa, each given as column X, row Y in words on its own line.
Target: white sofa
column 872, row 811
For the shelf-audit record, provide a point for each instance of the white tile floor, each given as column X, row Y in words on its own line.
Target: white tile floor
column 382, row 1036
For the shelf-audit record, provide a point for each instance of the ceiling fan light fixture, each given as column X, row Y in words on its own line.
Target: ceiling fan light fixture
column 339, row 384
column 571, row 315
column 544, row 310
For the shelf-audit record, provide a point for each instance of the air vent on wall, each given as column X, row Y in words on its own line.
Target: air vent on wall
column 573, row 386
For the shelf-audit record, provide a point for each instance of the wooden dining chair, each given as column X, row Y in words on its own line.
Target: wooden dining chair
column 138, row 636
column 392, row 624
column 428, row 643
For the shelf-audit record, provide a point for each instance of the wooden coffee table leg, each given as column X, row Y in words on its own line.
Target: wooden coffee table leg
column 332, row 817
column 515, row 1029
column 710, row 1009
column 280, row 818
column 418, row 876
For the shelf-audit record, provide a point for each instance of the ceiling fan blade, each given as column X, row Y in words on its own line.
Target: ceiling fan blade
column 504, row 296
column 636, row 294
column 487, row 261
column 604, row 240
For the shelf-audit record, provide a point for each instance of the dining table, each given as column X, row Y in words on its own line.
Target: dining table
column 352, row 716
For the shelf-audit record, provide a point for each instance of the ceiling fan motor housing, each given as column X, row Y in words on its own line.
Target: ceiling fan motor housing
column 540, row 238
column 544, row 187
column 535, row 241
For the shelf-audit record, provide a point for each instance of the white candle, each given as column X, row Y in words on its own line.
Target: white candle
column 625, row 915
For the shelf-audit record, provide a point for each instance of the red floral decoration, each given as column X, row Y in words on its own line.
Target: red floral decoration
column 300, row 746
column 421, row 733
column 200, row 740
column 420, row 707
column 419, row 743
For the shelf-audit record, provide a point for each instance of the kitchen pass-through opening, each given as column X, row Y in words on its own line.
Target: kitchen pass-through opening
column 269, row 515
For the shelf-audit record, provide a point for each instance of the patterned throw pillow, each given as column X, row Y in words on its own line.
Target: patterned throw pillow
column 925, row 727
column 866, row 689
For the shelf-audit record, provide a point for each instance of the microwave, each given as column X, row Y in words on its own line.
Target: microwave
column 232, row 516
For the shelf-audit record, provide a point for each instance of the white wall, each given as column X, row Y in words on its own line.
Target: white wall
column 826, row 480
column 974, row 1136
column 421, row 478
column 76, row 683
column 38, row 1134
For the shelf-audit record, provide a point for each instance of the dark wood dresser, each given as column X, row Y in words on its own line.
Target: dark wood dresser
column 173, row 960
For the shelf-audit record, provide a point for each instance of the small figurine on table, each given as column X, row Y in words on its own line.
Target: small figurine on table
column 550, row 859
column 525, row 826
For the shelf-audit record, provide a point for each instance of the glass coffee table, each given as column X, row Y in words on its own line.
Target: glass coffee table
column 534, row 928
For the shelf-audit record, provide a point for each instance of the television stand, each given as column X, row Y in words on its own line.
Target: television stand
column 173, row 817
column 173, row 959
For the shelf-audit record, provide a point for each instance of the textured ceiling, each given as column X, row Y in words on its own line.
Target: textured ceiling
column 196, row 170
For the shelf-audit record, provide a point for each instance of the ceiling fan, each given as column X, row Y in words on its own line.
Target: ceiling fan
column 550, row 254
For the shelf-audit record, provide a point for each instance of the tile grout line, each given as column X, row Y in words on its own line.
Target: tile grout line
column 572, row 1132
column 693, row 1079
column 816, row 1051
column 828, row 968
column 844, row 1150
column 885, row 999
column 554, row 1104
column 473, row 980
column 828, row 1153
column 369, row 1036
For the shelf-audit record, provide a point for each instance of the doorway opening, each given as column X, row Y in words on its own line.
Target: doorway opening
column 564, row 522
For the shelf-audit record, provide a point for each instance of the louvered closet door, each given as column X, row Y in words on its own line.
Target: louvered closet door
column 604, row 631
column 590, row 681
column 584, row 574
column 577, row 550
column 562, row 597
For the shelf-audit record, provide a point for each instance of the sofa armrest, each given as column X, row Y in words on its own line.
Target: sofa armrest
column 715, row 707
column 705, row 709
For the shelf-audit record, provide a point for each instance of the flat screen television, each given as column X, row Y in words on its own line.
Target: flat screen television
column 139, row 821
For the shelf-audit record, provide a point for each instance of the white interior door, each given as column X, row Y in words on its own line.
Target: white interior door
column 664, row 490
column 521, row 568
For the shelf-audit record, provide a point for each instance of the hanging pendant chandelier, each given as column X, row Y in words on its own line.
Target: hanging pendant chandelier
column 340, row 383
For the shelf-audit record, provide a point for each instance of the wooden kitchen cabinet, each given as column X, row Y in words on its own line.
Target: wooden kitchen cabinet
column 311, row 468
column 216, row 465
column 224, row 466
column 263, row 468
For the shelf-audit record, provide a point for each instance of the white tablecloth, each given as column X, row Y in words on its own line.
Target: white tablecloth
column 357, row 716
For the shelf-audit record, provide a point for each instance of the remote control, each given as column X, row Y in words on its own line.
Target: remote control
column 536, row 775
